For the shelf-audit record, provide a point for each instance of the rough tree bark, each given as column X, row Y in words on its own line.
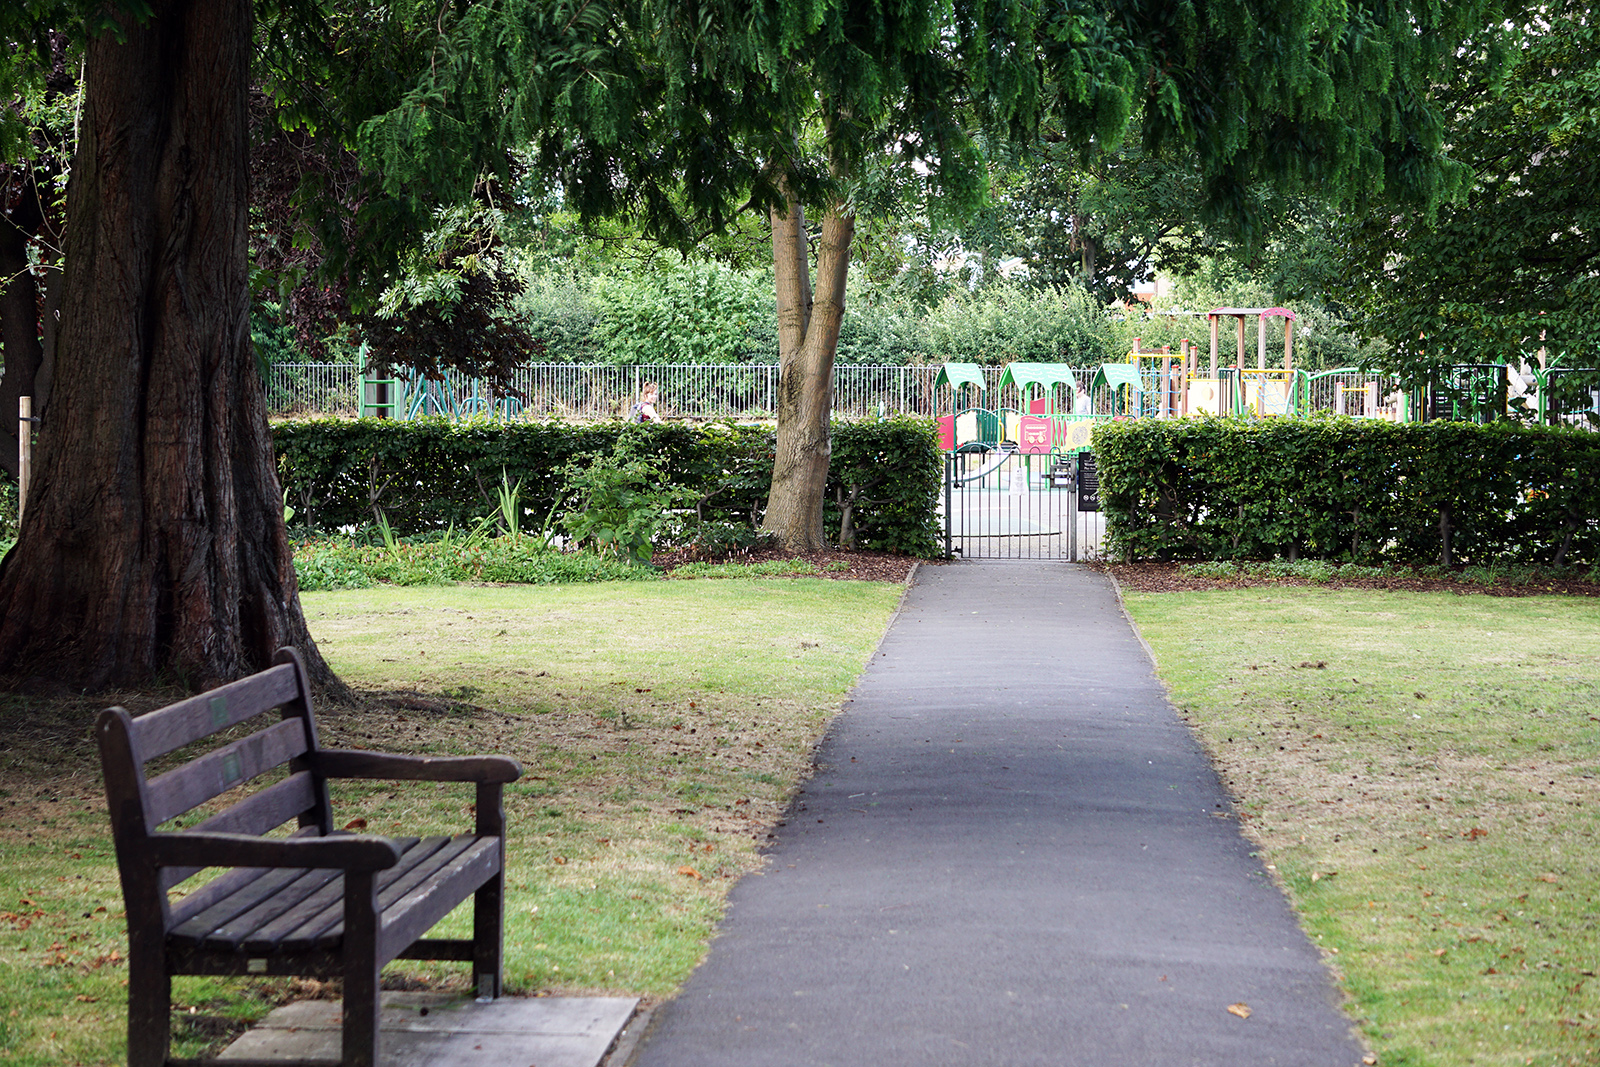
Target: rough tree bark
column 154, row 546
column 808, row 339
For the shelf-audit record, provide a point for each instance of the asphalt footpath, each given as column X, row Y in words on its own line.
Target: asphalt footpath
column 1012, row 852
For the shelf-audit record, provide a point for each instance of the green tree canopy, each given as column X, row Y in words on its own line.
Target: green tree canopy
column 1511, row 268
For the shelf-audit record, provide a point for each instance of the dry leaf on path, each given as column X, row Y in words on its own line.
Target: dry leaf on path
column 1241, row 1010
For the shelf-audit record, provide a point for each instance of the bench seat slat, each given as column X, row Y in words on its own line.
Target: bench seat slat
column 219, row 888
column 213, row 774
column 199, row 927
column 255, row 814
column 326, row 926
column 310, row 881
column 414, row 914
column 176, row 725
column 260, row 902
column 408, row 910
column 272, row 927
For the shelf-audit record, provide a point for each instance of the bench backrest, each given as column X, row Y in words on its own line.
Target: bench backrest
column 138, row 805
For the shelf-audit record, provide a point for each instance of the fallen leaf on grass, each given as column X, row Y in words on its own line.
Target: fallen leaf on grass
column 1241, row 1010
column 1475, row 833
column 689, row 872
column 356, row 824
column 1317, row 876
column 1547, row 877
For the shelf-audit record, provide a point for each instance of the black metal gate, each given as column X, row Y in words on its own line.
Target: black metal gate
column 1000, row 503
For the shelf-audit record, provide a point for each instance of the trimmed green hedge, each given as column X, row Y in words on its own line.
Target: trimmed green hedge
column 1348, row 489
column 424, row 475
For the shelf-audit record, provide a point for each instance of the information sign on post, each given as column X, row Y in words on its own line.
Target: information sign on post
column 1088, row 483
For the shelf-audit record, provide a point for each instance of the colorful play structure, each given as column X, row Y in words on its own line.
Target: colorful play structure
column 1050, row 409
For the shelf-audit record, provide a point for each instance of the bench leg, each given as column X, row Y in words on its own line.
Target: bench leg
column 149, row 1007
column 360, row 1037
column 488, row 936
column 489, row 902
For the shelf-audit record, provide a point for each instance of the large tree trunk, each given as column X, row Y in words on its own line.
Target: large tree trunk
column 154, row 546
column 808, row 340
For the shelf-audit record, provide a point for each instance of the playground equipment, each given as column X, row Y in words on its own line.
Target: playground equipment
column 1050, row 409
column 413, row 397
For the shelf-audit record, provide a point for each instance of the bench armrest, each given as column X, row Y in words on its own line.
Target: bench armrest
column 350, row 852
column 355, row 763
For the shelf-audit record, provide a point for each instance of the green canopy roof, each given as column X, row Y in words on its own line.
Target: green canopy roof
column 955, row 375
column 1044, row 375
column 1118, row 374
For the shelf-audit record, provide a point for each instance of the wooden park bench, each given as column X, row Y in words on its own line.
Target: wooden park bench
column 317, row 902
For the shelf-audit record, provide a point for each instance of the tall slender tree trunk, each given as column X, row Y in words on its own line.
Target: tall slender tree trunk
column 154, row 546
column 808, row 341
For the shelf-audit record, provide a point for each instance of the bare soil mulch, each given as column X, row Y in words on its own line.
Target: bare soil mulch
column 846, row 564
column 1151, row 576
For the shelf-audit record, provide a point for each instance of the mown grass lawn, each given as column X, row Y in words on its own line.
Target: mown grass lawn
column 1421, row 770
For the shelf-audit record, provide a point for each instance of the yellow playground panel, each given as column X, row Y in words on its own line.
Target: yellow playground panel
column 1205, row 397
column 1269, row 393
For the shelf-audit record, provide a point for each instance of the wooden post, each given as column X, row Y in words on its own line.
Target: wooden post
column 1261, row 342
column 1189, row 359
column 1288, row 343
column 24, row 453
column 1213, row 319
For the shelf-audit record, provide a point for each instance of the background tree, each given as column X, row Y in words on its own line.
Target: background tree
column 685, row 116
column 1511, row 268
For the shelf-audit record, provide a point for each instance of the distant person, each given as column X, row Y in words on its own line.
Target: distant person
column 645, row 409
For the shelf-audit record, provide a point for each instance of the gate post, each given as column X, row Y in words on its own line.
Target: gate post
column 949, row 474
column 1072, row 510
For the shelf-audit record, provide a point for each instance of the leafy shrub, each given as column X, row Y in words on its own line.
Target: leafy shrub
column 8, row 514
column 429, row 476
column 1002, row 323
column 689, row 313
column 349, row 563
column 616, row 504
column 710, row 539
column 1346, row 489
column 884, row 486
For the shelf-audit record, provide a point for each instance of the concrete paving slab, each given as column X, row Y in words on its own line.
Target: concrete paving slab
column 438, row 1030
column 1013, row 853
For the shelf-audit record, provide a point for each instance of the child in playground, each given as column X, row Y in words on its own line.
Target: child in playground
column 645, row 409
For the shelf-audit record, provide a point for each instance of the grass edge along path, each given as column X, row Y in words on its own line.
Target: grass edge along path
column 1420, row 772
column 662, row 727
